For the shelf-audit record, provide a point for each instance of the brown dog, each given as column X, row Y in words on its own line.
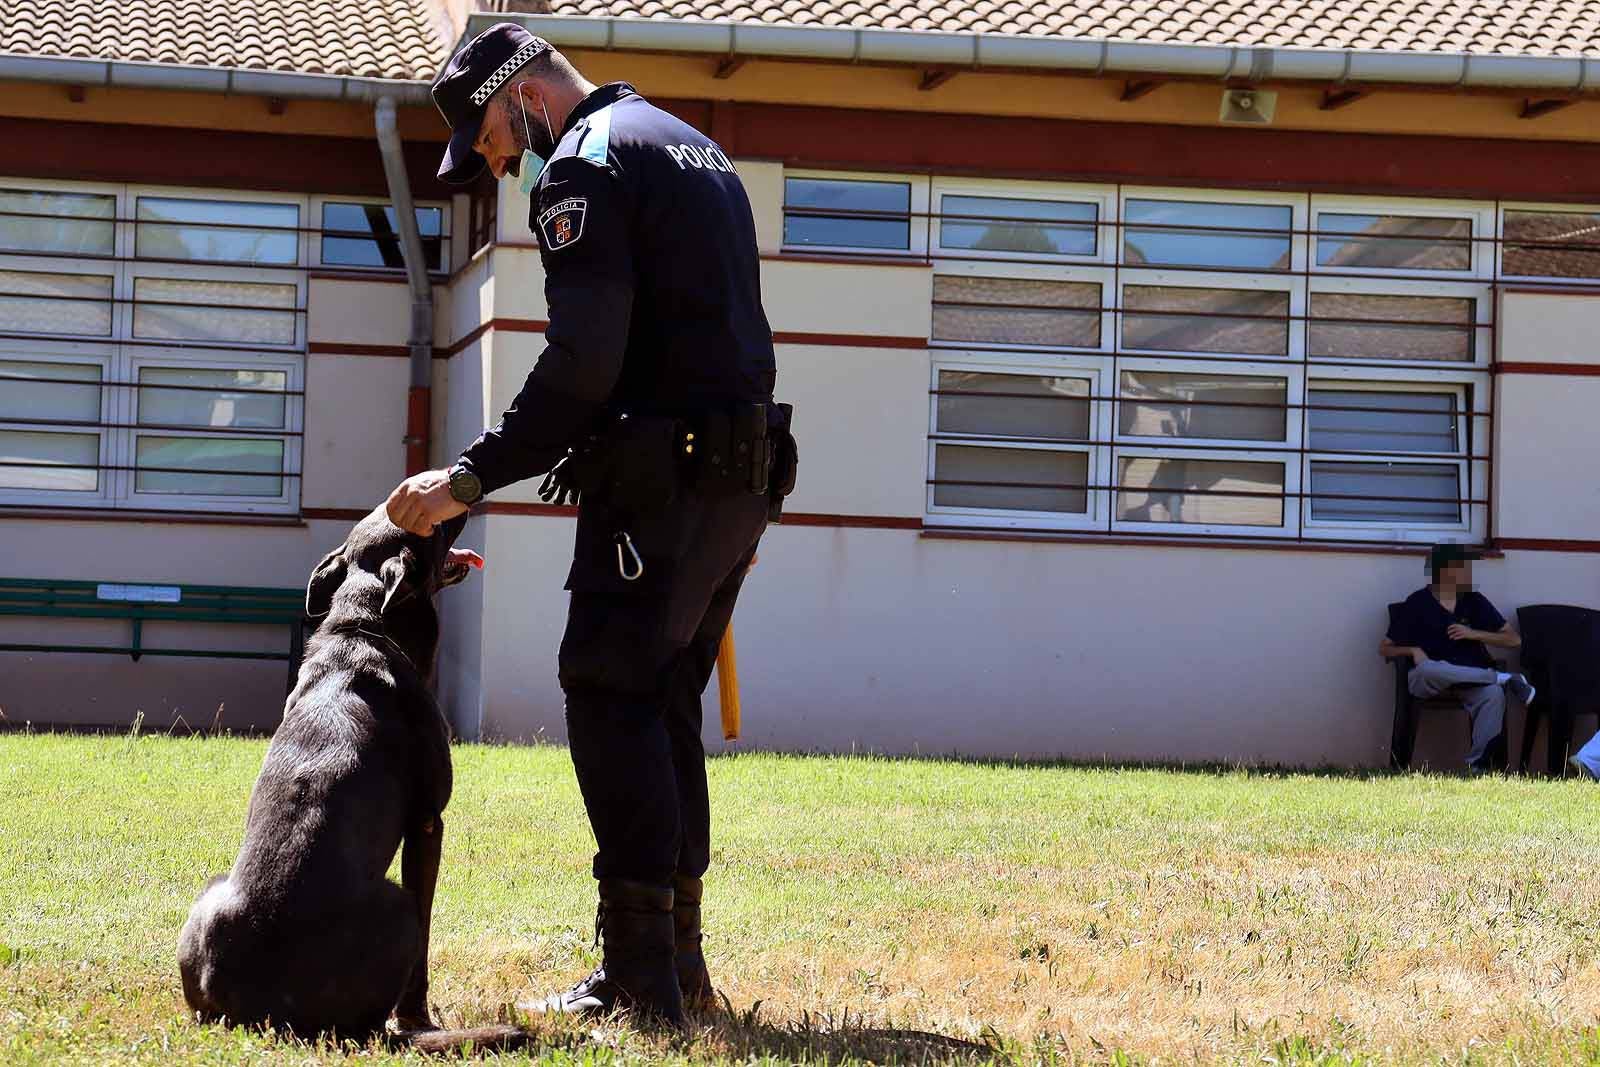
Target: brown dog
column 306, row 932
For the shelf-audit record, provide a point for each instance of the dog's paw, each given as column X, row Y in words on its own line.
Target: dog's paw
column 408, row 1025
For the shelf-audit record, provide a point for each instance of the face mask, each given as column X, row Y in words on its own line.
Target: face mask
column 532, row 164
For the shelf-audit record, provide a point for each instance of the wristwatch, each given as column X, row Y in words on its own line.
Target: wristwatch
column 465, row 486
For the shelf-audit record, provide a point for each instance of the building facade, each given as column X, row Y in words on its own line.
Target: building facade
column 1129, row 384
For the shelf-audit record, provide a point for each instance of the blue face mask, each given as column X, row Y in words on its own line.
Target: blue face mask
column 528, row 172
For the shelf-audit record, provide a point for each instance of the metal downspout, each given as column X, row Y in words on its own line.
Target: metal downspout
column 420, row 343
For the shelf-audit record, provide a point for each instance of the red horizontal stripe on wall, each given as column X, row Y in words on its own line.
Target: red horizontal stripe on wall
column 1545, row 544
column 508, row 325
column 782, row 337
column 847, row 340
column 1574, row 370
column 339, row 348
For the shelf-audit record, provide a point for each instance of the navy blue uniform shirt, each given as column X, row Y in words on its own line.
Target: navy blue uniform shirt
column 653, row 282
column 1422, row 622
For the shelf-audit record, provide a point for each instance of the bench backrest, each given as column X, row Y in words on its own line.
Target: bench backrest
column 70, row 599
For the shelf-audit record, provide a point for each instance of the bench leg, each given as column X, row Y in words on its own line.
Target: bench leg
column 1403, row 738
column 297, row 651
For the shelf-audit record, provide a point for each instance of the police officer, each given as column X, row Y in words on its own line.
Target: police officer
column 653, row 399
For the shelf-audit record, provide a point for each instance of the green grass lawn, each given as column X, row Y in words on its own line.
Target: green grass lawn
column 1038, row 914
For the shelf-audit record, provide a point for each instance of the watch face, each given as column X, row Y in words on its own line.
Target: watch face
column 465, row 486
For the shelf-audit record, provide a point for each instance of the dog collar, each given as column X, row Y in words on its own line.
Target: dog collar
column 361, row 628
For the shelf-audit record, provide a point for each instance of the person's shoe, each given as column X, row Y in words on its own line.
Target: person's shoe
column 694, row 980
column 636, row 975
column 1522, row 689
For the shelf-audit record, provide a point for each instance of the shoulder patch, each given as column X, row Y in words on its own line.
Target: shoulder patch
column 561, row 224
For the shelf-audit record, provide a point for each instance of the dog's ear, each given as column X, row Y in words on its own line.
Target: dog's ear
column 399, row 580
column 326, row 578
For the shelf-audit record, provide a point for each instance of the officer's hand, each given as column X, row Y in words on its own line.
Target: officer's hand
column 421, row 501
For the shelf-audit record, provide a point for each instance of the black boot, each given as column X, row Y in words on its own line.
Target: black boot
column 636, row 974
column 693, row 979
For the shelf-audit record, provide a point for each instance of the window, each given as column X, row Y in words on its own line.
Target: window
column 1009, row 443
column 1178, row 318
column 1554, row 242
column 998, row 224
column 1202, row 405
column 217, row 231
column 865, row 213
column 151, row 347
column 1017, row 311
column 365, row 235
column 1203, row 361
column 1420, row 434
column 72, row 224
column 1194, row 233
column 1388, row 237
column 1210, row 490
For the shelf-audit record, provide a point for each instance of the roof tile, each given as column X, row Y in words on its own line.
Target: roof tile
column 365, row 38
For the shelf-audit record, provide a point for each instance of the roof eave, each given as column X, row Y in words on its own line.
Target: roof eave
column 235, row 81
column 1553, row 75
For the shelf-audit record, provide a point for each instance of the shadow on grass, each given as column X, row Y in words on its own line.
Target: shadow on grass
column 822, row 1040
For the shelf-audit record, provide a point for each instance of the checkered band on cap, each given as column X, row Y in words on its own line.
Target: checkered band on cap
column 508, row 68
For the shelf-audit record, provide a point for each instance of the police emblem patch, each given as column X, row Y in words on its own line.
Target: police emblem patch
column 561, row 224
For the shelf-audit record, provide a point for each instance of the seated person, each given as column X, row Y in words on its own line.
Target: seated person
column 1444, row 628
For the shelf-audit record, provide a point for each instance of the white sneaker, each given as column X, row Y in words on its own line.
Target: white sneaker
column 1522, row 689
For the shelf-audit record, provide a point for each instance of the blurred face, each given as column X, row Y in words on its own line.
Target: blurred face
column 501, row 138
column 1457, row 574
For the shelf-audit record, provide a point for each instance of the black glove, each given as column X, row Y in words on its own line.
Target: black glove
column 559, row 487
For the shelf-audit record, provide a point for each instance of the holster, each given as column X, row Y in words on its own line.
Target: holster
column 785, row 462
column 632, row 462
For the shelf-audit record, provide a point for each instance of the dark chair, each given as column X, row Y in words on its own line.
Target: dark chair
column 1561, row 657
column 1408, row 709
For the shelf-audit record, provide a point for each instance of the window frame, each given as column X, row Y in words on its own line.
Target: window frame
column 1482, row 325
column 1089, row 367
column 1296, row 202
column 1103, row 197
column 319, row 201
column 131, row 194
column 1471, row 389
column 1481, row 263
column 1180, row 278
column 1504, row 207
column 104, row 354
column 1294, row 393
column 214, row 359
column 917, row 210
column 1103, row 276
column 1288, row 528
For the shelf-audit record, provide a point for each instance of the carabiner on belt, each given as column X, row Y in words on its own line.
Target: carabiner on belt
column 623, row 541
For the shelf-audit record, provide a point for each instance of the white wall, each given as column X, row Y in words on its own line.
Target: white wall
column 890, row 641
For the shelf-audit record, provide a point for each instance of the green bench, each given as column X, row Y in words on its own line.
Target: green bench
column 142, row 602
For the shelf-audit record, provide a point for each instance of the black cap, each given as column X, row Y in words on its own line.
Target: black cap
column 462, row 90
column 1442, row 555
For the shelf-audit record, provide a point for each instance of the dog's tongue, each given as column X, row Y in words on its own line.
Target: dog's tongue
column 466, row 557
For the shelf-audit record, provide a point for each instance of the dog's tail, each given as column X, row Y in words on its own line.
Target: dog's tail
column 498, row 1038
